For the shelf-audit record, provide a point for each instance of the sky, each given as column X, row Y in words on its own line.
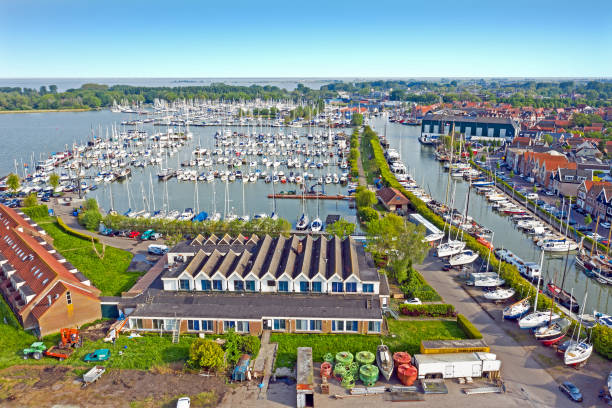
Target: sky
column 136, row 38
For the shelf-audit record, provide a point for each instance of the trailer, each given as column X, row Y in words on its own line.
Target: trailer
column 457, row 365
column 92, row 375
column 61, row 353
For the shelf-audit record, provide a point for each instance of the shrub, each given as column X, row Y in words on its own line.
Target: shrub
column 205, row 353
column 30, row 200
column 602, row 340
column 250, row 345
column 36, row 212
column 367, row 214
column 365, row 198
column 435, row 310
column 90, row 219
column 470, row 330
column 72, row 232
column 415, row 286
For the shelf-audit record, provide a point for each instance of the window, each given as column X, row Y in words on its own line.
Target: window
column 304, row 287
column 271, row 283
column 250, row 285
column 228, row 324
column 368, row 288
column 242, row 326
column 207, row 325
column 184, row 284
column 217, row 284
column 279, row 324
column 68, row 298
column 205, row 284
column 158, row 323
column 352, row 325
column 374, row 327
column 337, row 287
column 283, row 286
column 316, row 287
column 301, row 325
column 315, row 325
column 351, row 287
column 238, row 286
column 193, row 325
column 136, row 324
column 338, row 325
column 170, row 324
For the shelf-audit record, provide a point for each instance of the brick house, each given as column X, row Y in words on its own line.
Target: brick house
column 44, row 291
column 392, row 199
column 566, row 181
column 540, row 166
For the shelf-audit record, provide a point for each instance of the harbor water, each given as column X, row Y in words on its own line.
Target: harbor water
column 430, row 174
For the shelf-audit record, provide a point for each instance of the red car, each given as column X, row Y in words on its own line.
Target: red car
column 134, row 234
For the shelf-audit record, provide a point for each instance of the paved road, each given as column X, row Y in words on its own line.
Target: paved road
column 527, row 382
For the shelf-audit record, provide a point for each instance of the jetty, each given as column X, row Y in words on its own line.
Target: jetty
column 313, row 196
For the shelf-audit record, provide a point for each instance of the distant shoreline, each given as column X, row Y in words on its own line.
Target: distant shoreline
column 47, row 110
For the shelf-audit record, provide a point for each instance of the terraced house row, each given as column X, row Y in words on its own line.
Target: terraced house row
column 251, row 284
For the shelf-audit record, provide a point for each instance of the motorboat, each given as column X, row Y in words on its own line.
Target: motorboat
column 603, row 319
column 557, row 245
column 500, row 294
column 562, row 297
column 450, row 248
column 384, row 361
column 433, row 237
column 463, row 258
column 517, row 310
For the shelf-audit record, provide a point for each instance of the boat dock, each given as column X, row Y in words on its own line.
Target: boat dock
column 313, row 196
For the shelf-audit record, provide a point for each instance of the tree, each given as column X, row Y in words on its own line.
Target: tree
column 30, row 200
column 54, row 180
column 511, row 173
column 204, row 353
column 90, row 219
column 173, row 239
column 341, row 228
column 401, row 241
column 535, row 188
column 12, row 182
column 357, row 119
column 91, row 204
column 365, row 197
column 548, row 139
column 367, row 214
column 588, row 220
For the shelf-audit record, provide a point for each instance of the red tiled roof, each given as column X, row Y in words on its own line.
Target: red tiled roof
column 391, row 196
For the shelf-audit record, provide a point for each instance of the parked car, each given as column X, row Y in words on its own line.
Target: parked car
column 595, row 236
column 605, row 225
column 549, row 193
column 158, row 249
column 134, row 234
column 532, row 196
column 413, row 301
column 447, row 267
column 106, row 232
column 540, row 202
column 583, row 228
column 571, row 391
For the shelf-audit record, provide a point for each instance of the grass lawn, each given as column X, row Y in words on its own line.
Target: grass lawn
column 408, row 336
column 108, row 274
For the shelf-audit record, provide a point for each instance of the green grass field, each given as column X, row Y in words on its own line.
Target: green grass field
column 408, row 336
column 108, row 274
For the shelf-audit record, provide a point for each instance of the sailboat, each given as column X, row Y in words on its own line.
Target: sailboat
column 316, row 224
column 384, row 361
column 578, row 350
column 553, row 332
column 500, row 294
column 517, row 310
column 537, row 319
column 464, row 257
column 302, row 223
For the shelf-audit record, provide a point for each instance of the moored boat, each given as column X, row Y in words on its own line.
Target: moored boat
column 384, row 361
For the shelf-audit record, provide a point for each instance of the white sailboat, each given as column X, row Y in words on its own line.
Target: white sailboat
column 464, row 257
column 537, row 319
column 578, row 351
column 500, row 294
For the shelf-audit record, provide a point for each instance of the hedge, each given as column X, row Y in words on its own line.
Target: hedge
column 432, row 310
column 37, row 211
column 470, row 330
column 509, row 272
column 75, row 233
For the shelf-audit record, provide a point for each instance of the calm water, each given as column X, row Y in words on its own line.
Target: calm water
column 429, row 173
column 27, row 136
column 23, row 136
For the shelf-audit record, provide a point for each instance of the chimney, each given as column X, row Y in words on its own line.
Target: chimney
column 300, row 247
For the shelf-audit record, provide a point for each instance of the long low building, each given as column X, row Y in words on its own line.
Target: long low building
column 473, row 127
column 250, row 284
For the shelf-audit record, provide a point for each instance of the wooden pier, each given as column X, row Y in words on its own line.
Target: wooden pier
column 313, row 196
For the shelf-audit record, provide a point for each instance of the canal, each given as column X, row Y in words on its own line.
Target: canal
column 430, row 174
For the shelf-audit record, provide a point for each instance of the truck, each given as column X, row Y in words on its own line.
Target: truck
column 98, row 355
column 457, row 365
column 158, row 249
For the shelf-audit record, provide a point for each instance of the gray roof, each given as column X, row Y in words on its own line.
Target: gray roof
column 257, row 306
column 472, row 119
column 276, row 256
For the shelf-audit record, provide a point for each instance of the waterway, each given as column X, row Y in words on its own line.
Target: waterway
column 23, row 136
column 430, row 174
